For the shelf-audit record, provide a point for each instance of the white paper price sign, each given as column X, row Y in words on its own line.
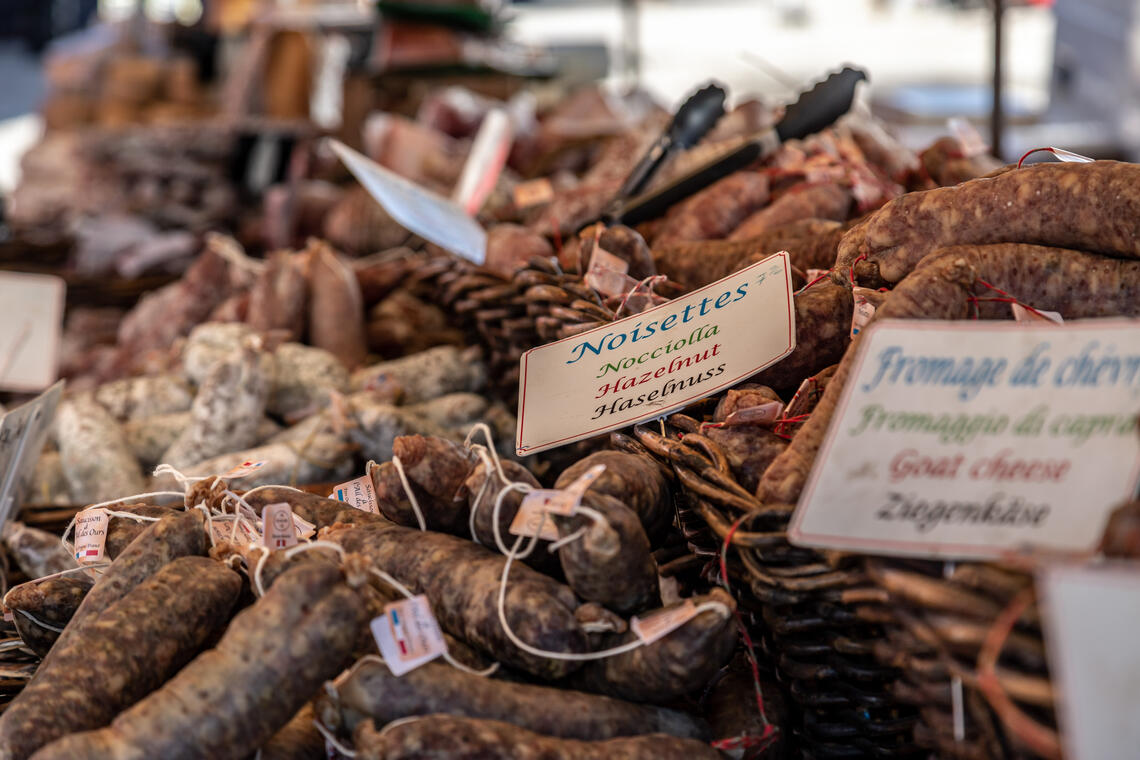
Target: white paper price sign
column 973, row 440
column 1091, row 617
column 658, row 361
column 31, row 320
column 421, row 211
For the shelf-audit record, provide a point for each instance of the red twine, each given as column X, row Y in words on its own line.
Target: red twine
column 749, row 647
column 860, row 257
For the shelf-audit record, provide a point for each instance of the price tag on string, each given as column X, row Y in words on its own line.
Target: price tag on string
column 661, row 623
column 969, row 440
column 660, row 360
column 533, row 193
column 91, row 535
column 408, row 635
column 278, row 531
column 431, row 216
column 359, row 493
column 529, row 519
column 1090, row 616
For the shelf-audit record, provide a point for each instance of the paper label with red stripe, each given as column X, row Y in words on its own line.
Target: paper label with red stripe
column 91, row 535
column 408, row 635
column 278, row 530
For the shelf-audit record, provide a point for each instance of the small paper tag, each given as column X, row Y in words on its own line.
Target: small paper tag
column 662, row 622
column 358, row 493
column 533, row 515
column 862, row 312
column 485, row 161
column 408, row 635
column 1022, row 314
column 90, row 535
column 607, row 273
column 305, row 529
column 243, row 469
column 532, row 193
column 761, row 414
column 223, row 532
column 278, row 531
column 814, row 274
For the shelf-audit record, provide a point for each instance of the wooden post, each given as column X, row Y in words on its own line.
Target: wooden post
column 997, row 114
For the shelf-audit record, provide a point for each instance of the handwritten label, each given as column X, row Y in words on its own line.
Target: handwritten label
column 1022, row 314
column 533, row 193
column 657, row 361
column 419, row 210
column 971, row 440
column 91, row 535
column 31, row 323
column 358, row 493
column 408, row 635
column 662, row 622
column 278, row 531
column 1090, row 616
column 243, row 469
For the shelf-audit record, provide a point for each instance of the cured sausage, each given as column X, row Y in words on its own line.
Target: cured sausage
column 680, row 662
column 230, row 699
column 634, row 480
column 369, row 691
column 1093, row 207
column 444, row 737
column 462, row 579
column 129, row 650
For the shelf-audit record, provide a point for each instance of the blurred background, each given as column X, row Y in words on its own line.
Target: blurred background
column 929, row 60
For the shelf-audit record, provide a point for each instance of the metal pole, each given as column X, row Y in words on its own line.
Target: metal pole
column 997, row 114
column 631, row 42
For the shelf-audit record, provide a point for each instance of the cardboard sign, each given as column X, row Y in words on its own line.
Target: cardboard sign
column 278, row 531
column 972, row 440
column 23, row 431
column 1091, row 616
column 358, row 493
column 421, row 211
column 408, row 635
column 31, row 323
column 657, row 361
column 662, row 622
column 91, row 535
